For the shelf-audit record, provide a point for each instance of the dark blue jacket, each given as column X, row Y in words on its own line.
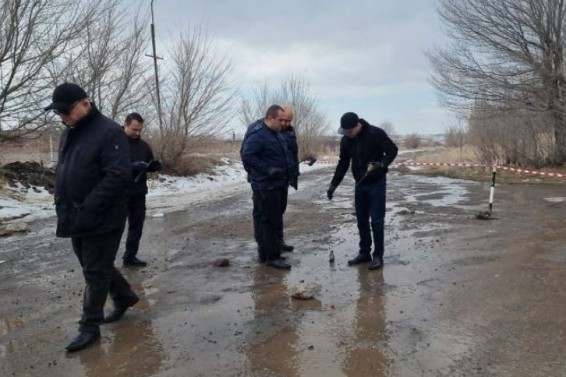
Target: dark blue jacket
column 92, row 174
column 263, row 150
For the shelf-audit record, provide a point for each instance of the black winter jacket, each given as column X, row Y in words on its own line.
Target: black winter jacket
column 290, row 137
column 139, row 151
column 371, row 145
column 92, row 174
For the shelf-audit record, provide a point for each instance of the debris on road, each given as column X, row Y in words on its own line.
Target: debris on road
column 10, row 229
column 305, row 291
column 221, row 262
column 483, row 215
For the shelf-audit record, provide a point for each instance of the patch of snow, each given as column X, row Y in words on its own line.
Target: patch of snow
column 166, row 193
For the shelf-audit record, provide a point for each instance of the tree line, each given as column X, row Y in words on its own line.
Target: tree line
column 503, row 72
column 102, row 46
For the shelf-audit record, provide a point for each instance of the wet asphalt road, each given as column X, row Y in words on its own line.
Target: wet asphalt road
column 457, row 297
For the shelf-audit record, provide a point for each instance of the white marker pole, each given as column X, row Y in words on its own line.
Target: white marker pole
column 492, row 190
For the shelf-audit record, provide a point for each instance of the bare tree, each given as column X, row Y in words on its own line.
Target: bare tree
column 254, row 106
column 412, row 141
column 523, row 138
column 309, row 122
column 32, row 35
column 197, row 99
column 108, row 60
column 455, row 135
column 508, row 54
column 387, row 126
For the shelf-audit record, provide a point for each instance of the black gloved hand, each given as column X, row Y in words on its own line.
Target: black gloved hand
column 140, row 166
column 154, row 165
column 376, row 168
column 294, row 183
column 375, row 171
column 330, row 192
column 275, row 173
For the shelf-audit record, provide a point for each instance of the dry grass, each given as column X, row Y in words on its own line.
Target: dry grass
column 193, row 164
column 466, row 155
column 454, row 155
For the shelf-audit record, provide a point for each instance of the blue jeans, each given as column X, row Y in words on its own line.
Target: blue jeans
column 370, row 204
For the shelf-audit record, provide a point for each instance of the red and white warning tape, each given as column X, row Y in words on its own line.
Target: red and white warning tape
column 458, row 164
column 466, row 165
column 532, row 172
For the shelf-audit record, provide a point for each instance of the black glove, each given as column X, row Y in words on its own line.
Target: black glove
column 294, row 183
column 154, row 165
column 330, row 192
column 140, row 166
column 375, row 171
column 275, row 173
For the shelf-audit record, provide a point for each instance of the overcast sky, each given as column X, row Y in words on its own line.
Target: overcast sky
column 364, row 56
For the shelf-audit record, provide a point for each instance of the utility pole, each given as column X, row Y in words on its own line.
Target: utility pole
column 155, row 57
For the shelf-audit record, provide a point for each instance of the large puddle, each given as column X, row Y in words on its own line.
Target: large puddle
column 363, row 323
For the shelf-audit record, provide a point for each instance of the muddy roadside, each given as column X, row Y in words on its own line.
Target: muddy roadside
column 458, row 296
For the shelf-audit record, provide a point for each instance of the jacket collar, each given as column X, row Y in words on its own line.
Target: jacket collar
column 93, row 113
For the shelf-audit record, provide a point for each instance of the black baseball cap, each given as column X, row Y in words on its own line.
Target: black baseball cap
column 65, row 95
column 347, row 122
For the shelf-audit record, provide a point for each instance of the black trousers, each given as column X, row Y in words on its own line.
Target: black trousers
column 268, row 222
column 136, row 218
column 284, row 193
column 96, row 256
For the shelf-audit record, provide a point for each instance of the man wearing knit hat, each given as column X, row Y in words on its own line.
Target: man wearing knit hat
column 371, row 151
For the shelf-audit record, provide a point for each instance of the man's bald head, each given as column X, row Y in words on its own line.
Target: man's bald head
column 287, row 116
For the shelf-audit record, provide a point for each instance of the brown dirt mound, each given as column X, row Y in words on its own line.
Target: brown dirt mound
column 28, row 174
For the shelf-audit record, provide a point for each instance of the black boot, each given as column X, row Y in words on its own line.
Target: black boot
column 278, row 263
column 119, row 310
column 133, row 262
column 82, row 341
column 376, row 263
column 361, row 258
column 286, row 248
column 262, row 259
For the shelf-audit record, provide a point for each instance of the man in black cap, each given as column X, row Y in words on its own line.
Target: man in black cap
column 142, row 163
column 93, row 171
column 371, row 151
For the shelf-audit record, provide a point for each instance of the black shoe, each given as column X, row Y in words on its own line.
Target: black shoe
column 286, row 248
column 119, row 310
column 133, row 262
column 278, row 263
column 82, row 341
column 376, row 263
column 361, row 258
column 262, row 259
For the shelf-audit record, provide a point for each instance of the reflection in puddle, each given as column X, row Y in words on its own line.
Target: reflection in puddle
column 132, row 350
column 449, row 192
column 340, row 333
